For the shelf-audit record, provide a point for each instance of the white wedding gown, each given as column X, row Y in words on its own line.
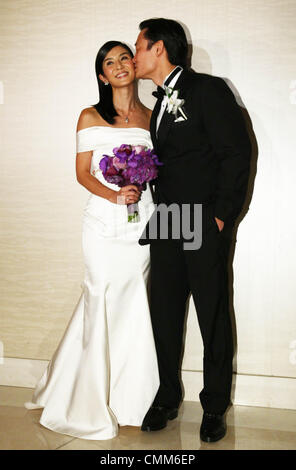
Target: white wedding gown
column 104, row 372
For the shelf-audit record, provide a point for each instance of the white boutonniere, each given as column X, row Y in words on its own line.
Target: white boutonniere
column 174, row 104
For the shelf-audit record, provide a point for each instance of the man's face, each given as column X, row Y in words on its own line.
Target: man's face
column 144, row 59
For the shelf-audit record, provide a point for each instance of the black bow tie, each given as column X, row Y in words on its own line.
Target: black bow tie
column 159, row 93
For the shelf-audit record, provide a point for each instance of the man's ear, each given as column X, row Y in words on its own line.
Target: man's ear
column 102, row 78
column 159, row 47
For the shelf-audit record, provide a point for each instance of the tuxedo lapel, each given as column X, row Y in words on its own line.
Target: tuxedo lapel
column 153, row 121
column 164, row 127
column 182, row 84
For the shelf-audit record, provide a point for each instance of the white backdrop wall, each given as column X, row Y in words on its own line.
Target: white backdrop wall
column 47, row 77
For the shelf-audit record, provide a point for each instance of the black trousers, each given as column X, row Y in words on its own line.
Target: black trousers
column 175, row 273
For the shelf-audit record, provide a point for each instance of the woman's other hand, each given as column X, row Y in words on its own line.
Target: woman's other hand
column 129, row 194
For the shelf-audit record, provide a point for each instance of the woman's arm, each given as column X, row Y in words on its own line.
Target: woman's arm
column 86, row 179
column 83, row 162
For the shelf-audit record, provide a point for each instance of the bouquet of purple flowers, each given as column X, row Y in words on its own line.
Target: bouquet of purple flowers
column 130, row 164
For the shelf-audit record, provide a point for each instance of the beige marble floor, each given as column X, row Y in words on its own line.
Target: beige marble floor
column 249, row 428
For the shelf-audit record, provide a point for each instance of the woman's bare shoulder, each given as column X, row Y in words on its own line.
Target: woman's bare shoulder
column 146, row 115
column 87, row 118
column 148, row 111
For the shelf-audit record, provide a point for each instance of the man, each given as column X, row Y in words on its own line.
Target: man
column 205, row 150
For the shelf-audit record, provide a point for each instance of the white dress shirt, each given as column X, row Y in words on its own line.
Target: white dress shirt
column 163, row 104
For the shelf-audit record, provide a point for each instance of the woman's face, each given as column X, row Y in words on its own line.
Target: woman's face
column 118, row 67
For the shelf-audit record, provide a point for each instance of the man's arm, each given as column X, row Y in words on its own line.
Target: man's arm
column 227, row 133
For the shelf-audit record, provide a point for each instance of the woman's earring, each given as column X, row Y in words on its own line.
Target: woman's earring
column 106, row 83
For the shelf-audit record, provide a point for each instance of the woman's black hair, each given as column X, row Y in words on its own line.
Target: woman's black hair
column 105, row 106
column 173, row 36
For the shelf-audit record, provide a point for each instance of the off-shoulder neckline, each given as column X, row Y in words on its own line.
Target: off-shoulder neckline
column 109, row 127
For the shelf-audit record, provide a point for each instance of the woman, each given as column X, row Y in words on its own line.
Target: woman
column 104, row 372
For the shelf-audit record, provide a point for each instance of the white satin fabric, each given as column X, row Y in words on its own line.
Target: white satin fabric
column 104, row 372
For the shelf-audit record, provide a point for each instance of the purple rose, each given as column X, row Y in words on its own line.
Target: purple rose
column 130, row 164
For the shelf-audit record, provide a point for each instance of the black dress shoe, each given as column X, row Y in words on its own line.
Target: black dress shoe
column 212, row 427
column 157, row 417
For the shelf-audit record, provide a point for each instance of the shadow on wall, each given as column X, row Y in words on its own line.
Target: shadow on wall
column 245, row 209
column 201, row 60
column 202, row 64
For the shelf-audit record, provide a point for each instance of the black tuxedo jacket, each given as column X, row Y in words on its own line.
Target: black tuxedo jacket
column 207, row 156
